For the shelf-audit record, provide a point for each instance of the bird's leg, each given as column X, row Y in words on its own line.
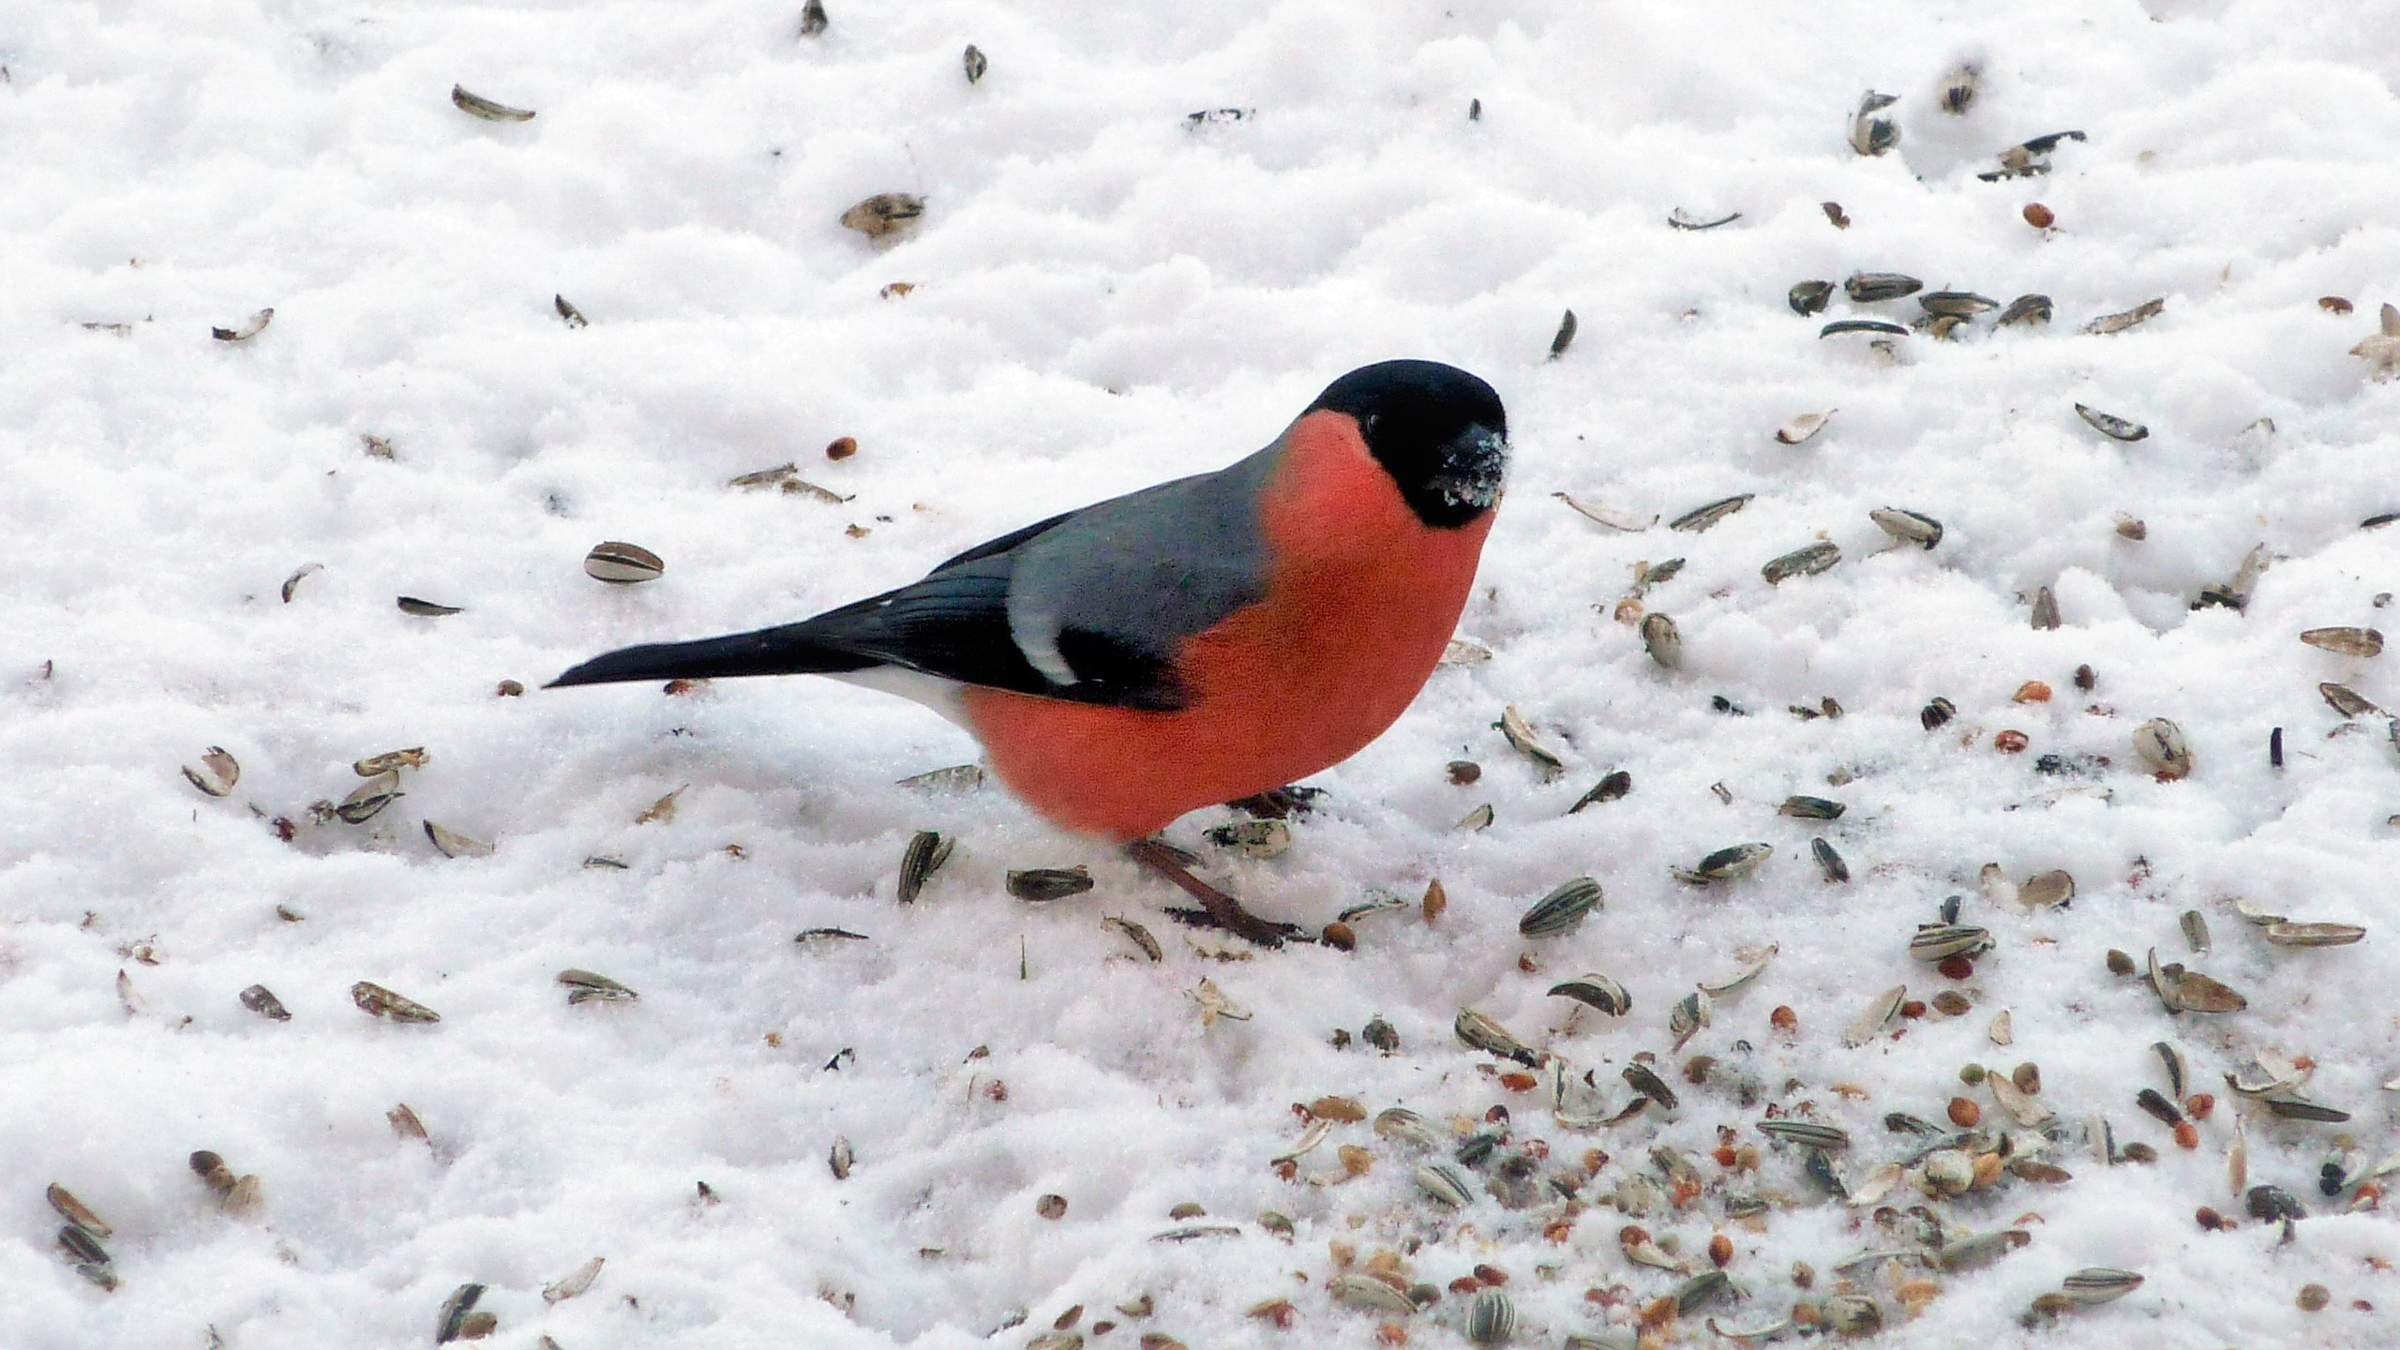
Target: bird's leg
column 1221, row 910
column 1279, row 803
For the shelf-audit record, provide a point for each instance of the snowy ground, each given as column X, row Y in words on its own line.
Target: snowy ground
column 1106, row 297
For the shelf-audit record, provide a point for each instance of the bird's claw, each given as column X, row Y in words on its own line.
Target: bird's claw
column 1244, row 924
column 1279, row 803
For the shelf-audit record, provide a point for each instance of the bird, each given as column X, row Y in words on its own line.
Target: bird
column 1202, row 641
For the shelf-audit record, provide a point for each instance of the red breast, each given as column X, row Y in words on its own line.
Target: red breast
column 1362, row 597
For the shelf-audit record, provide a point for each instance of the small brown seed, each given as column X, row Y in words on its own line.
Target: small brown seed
column 2119, row 963
column 2314, row 1297
column 1051, row 1206
column 2028, row 1078
column 2333, row 304
column 1964, row 1113
column 2039, row 216
column 842, row 448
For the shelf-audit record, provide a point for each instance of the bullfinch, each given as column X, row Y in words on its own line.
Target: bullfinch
column 1205, row 640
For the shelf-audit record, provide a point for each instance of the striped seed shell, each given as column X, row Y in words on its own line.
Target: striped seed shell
column 1598, row 991
column 2045, row 609
column 1482, row 1033
column 1520, row 735
column 2285, row 933
column 1616, row 784
column 621, row 563
column 2347, row 701
column 2046, row 890
column 1253, row 838
column 1982, row 1249
column 2195, row 992
column 217, row 774
column 256, row 325
column 451, row 844
column 925, row 854
column 584, row 986
column 1803, row 428
column 2026, row 309
column 1727, row 864
column 372, row 766
column 1907, row 526
column 2111, row 425
column 1805, row 1133
column 2178, row 1072
column 1661, row 640
column 1492, row 1318
column 1405, row 1126
column 2119, row 322
column 2195, row 931
column 261, row 1000
column 2100, row 1284
column 1958, row 304
column 376, row 1001
column 1752, row 965
column 370, row 797
column 573, row 1282
column 1870, row 1023
column 883, row 213
column 455, row 1310
column 2160, row 743
column 975, row 62
column 476, row 105
column 1852, row 1314
column 1812, row 808
column 426, row 609
column 2292, row 1106
column 1688, row 1016
column 1369, row 1293
column 1446, row 1183
column 74, row 1211
column 1645, row 1081
column 1809, row 297
column 1701, row 517
column 1939, row 942
column 80, row 1245
column 1829, row 860
column 2345, row 641
column 1049, row 883
column 1867, row 288
column 1802, row 562
column 1562, row 910
column 1138, row 936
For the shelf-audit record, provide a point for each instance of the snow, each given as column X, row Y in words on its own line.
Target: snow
column 1107, row 297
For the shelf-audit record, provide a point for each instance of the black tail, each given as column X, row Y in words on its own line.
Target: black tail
column 788, row 650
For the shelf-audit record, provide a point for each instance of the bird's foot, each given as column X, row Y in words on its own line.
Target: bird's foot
column 1218, row 910
column 1279, row 803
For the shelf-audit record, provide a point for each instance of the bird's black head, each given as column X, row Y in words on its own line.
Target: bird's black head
column 1437, row 430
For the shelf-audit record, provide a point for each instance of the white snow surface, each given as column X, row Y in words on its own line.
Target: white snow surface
column 1105, row 297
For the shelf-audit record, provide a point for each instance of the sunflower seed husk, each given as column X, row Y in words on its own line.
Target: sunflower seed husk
column 2046, row 890
column 1936, row 713
column 1764, row 1331
column 584, row 986
column 1829, row 860
column 2285, row 933
column 1685, row 220
column 2235, row 593
column 1852, row 1314
column 390, row 760
column 1614, row 785
column 841, row 1158
column 1562, row 911
column 2100, row 1284
column 454, row 1312
column 1519, row 735
column 1689, row 1015
column 2124, row 319
column 1803, row 428
column 426, row 609
column 1802, row 562
column 2347, row 701
column 81, row 1246
column 1478, row 819
column 2111, row 425
column 452, row 844
column 1479, row 1032
column 376, row 1001
column 1661, row 640
column 1253, row 838
column 2178, row 1072
column 976, row 63
column 2131, row 528
column 2195, row 992
column 1405, row 1126
column 261, row 1000
column 1702, row 1289
column 1981, row 1249
column 1939, row 942
column 1446, row 1184
column 2161, row 745
column 2026, row 309
column 370, row 797
column 1957, row 304
column 74, row 1211
column 404, row 1122
column 2044, row 615
column 217, row 774
column 1727, row 864
column 1646, row 1082
column 1805, row 1133
column 475, row 105
column 1811, row 808
column 926, row 852
column 1138, row 936
column 2345, row 641
column 1809, row 297
column 1492, row 1318
column 1841, row 326
column 1598, row 991
column 2003, row 1029
column 2295, row 1107
column 1750, row 970
column 255, row 325
column 1700, row 518
column 1049, row 883
column 2195, row 931
column 956, row 778
column 1624, row 522
column 1867, row 288
column 1907, row 526
column 574, row 1282
column 622, row 564
column 884, row 213
column 1871, row 1022
column 1869, row 134
column 291, row 584
column 1370, row 1293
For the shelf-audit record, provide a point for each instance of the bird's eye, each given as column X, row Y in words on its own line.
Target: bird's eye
column 1366, row 425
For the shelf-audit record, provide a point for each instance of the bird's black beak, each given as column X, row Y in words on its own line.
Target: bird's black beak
column 1473, row 465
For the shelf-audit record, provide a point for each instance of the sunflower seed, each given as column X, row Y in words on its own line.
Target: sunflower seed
column 2026, row 309
column 1616, row 784
column 1867, row 288
column 2235, row 594
column 841, row 1158
column 1871, row 1022
column 884, row 213
column 1138, row 936
column 2195, row 931
column 1803, row 428
column 1661, row 640
column 1402, row 1125
column 256, row 325
column 1727, row 864
column 621, row 563
column 1809, row 297
column 1646, row 1082
column 1805, row 1133
column 376, row 1001
column 574, row 1282
column 2119, row 322
column 2046, row 890
column 291, row 584
column 1688, row 1016
column 475, row 105
column 452, row 844
column 1852, row 1314
column 1365, row 1291
column 455, row 1310
column 1446, row 1184
column 390, row 761
column 370, row 797
column 2347, row 701
column 1513, row 727
column 975, row 62
column 261, row 1000
column 813, row 18
column 584, row 986
column 81, row 1246
column 1939, row 942
column 74, row 1211
column 1253, row 838
column 426, row 609
column 1936, row 713
column 2130, row 528
column 1492, row 1318
column 217, row 774
column 2295, row 1107
column 1957, row 304
column 2100, row 1284
column 1907, row 526
column 1802, row 562
column 1700, row 518
column 1479, row 1032
column 1562, row 910
column 2285, row 933
column 1981, row 1249
column 1870, row 134
column 1041, row 884
column 2345, row 641
column 2178, row 1073
column 1811, row 808
column 2161, row 745
column 1685, row 220
column 1841, row 326
column 2111, row 425
column 1597, row 991
column 1477, row 820
column 1829, row 860
column 925, row 854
